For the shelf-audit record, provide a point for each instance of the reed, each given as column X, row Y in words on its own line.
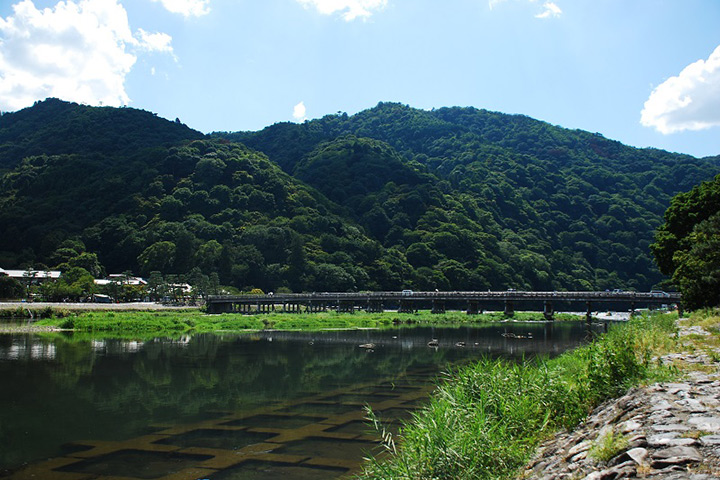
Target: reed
column 485, row 420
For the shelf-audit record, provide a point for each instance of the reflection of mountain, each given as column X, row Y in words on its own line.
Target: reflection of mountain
column 114, row 389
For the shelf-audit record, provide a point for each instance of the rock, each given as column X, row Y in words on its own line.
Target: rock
column 708, row 424
column 672, row 456
column 623, row 470
column 578, row 457
column 638, row 455
column 692, row 405
column 671, row 439
column 583, row 446
column 630, row 426
column 710, row 440
column 678, row 452
column 676, row 388
column 673, row 427
column 661, row 405
column 637, row 441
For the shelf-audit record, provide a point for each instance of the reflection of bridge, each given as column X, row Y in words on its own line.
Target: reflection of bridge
column 437, row 302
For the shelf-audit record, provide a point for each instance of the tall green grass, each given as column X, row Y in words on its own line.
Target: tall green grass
column 485, row 420
column 194, row 321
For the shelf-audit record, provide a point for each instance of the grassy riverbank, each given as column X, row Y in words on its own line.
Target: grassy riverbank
column 486, row 420
column 169, row 323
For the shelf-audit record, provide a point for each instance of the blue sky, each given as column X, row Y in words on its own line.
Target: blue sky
column 644, row 72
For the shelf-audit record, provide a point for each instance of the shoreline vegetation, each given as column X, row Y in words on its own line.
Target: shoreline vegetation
column 487, row 420
column 188, row 321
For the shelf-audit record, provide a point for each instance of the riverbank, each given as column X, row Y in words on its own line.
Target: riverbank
column 181, row 321
column 487, row 420
column 667, row 430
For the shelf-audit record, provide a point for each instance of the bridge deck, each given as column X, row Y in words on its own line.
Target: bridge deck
column 351, row 300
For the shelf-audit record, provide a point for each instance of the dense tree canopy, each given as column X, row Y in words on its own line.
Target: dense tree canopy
column 687, row 246
column 514, row 201
column 390, row 198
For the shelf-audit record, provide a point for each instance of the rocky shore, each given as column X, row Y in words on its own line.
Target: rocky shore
column 662, row 431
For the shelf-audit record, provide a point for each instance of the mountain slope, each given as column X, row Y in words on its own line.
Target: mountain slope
column 568, row 208
column 390, row 198
column 54, row 127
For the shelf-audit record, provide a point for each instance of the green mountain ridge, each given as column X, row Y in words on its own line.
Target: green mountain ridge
column 392, row 197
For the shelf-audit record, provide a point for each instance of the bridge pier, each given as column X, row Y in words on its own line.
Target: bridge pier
column 548, row 311
column 291, row 307
column 473, row 307
column 588, row 313
column 406, row 306
column 509, row 308
column 345, row 306
column 438, row 306
column 374, row 306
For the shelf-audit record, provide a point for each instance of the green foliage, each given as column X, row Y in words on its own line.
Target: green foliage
column 608, row 446
column 74, row 284
column 687, row 246
column 487, row 420
column 390, row 198
column 10, row 288
column 515, row 201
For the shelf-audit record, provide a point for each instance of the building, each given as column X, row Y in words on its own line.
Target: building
column 31, row 276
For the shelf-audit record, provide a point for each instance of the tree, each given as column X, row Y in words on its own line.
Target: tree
column 74, row 284
column 10, row 288
column 698, row 269
column 158, row 256
column 687, row 246
column 686, row 211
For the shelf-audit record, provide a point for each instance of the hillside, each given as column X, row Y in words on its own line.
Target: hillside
column 54, row 127
column 543, row 206
column 390, row 198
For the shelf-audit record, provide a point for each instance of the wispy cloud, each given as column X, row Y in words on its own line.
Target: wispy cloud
column 186, row 8
column 551, row 10
column 299, row 112
column 689, row 101
column 77, row 50
column 348, row 9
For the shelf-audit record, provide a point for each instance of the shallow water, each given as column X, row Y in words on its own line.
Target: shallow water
column 228, row 406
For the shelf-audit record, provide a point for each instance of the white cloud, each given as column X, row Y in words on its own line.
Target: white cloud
column 350, row 9
column 187, row 8
column 79, row 50
column 689, row 101
column 299, row 112
column 551, row 10
column 154, row 42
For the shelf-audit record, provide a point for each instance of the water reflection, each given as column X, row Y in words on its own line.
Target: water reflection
column 62, row 392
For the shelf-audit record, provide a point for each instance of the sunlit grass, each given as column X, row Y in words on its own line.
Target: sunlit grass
column 486, row 420
column 194, row 321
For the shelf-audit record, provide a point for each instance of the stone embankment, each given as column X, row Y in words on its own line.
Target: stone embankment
column 666, row 431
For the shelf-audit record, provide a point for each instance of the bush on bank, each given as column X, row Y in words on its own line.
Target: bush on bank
column 485, row 420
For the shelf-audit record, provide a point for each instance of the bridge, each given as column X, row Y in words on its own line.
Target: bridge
column 408, row 301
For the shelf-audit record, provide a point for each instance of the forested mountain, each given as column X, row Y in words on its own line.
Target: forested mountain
column 532, row 204
column 390, row 198
column 54, row 127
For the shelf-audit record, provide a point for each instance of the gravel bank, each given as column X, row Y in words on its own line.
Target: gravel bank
column 664, row 431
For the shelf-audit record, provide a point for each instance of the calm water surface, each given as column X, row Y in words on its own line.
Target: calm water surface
column 228, row 406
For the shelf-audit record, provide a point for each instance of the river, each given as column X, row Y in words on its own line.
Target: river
column 257, row 406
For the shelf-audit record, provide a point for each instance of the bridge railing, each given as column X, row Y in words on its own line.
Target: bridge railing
column 647, row 297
